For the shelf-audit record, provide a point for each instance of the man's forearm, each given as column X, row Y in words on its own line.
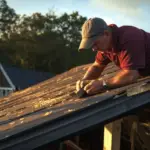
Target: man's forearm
column 93, row 72
column 123, row 78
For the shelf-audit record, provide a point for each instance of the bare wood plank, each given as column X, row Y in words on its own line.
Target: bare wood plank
column 112, row 135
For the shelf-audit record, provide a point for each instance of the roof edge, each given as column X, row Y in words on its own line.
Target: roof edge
column 7, row 77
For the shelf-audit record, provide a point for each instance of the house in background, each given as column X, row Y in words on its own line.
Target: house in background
column 13, row 78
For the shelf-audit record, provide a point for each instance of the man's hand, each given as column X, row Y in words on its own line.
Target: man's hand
column 81, row 84
column 90, row 86
column 93, row 72
column 94, row 87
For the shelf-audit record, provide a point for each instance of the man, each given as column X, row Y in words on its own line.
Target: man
column 127, row 46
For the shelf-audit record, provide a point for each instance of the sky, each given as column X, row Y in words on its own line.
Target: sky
column 119, row 12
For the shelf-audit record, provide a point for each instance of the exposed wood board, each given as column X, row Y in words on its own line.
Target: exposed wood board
column 112, row 135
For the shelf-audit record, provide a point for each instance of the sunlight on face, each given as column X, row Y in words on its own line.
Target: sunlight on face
column 102, row 43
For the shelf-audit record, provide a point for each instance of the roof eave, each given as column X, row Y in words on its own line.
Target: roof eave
column 75, row 122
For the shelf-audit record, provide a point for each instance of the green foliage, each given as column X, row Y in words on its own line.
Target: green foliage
column 43, row 42
column 7, row 16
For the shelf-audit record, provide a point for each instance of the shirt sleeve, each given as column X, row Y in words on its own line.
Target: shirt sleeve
column 102, row 59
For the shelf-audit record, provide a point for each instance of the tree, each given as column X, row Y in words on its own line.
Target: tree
column 69, row 25
column 46, row 42
column 7, row 16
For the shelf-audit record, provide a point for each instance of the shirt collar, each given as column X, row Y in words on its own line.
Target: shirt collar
column 115, row 37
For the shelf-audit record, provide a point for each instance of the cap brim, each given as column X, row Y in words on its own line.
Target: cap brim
column 86, row 43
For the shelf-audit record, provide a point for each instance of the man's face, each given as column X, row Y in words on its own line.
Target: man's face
column 102, row 43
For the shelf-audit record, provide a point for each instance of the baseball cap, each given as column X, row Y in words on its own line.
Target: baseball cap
column 91, row 30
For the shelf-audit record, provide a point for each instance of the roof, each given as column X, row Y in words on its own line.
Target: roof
column 23, row 78
column 50, row 111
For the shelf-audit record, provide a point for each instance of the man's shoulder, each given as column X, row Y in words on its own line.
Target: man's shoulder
column 123, row 27
column 129, row 28
column 127, row 32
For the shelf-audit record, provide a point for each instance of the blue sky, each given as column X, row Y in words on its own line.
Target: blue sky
column 120, row 12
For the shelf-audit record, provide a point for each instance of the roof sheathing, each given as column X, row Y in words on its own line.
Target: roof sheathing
column 51, row 100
